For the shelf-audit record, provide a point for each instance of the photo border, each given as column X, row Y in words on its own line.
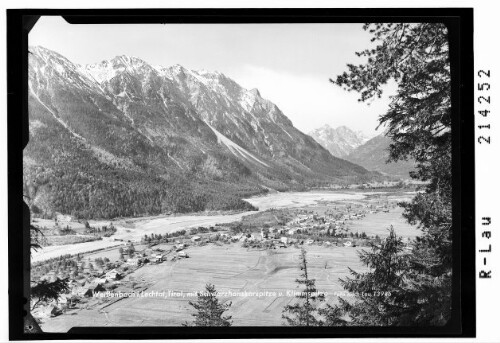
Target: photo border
column 459, row 22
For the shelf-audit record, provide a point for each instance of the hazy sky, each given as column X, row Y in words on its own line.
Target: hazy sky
column 290, row 64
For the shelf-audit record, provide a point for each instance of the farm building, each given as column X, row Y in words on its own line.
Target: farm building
column 195, row 238
column 90, row 290
column 180, row 246
column 252, row 238
column 100, row 281
column 284, row 240
column 133, row 261
column 160, row 258
column 113, row 275
column 71, row 301
column 236, row 237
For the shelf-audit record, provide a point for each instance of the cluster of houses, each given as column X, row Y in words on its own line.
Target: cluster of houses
column 91, row 280
column 333, row 222
column 330, row 223
column 158, row 255
column 81, row 289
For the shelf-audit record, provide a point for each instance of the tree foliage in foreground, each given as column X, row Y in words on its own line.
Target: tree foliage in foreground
column 418, row 121
column 44, row 291
column 209, row 311
column 305, row 311
column 383, row 293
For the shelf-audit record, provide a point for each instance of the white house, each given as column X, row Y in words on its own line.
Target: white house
column 133, row 261
column 236, row 237
column 159, row 258
column 113, row 275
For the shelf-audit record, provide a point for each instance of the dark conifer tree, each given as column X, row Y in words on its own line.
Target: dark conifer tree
column 209, row 311
column 416, row 56
column 305, row 311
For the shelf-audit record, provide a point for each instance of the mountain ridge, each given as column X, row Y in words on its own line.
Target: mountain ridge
column 338, row 141
column 373, row 155
column 127, row 138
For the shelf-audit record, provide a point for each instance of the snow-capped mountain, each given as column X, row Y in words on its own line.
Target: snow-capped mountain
column 123, row 137
column 340, row 141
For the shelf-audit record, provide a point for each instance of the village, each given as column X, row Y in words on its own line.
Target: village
column 327, row 225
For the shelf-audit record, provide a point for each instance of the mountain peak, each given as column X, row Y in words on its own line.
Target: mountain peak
column 49, row 56
column 38, row 49
column 129, row 60
column 107, row 69
column 255, row 92
column 344, row 129
column 340, row 141
column 177, row 67
column 325, row 127
column 208, row 72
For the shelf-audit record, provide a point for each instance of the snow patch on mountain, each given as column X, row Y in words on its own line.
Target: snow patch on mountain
column 235, row 148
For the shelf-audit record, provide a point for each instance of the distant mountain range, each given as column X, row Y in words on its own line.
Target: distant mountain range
column 357, row 148
column 340, row 141
column 125, row 138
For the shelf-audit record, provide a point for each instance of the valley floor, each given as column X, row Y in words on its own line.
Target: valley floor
column 232, row 267
column 135, row 228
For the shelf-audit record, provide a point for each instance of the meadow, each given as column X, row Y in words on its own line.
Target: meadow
column 229, row 268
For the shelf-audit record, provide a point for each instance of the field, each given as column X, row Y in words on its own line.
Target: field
column 229, row 268
column 379, row 224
